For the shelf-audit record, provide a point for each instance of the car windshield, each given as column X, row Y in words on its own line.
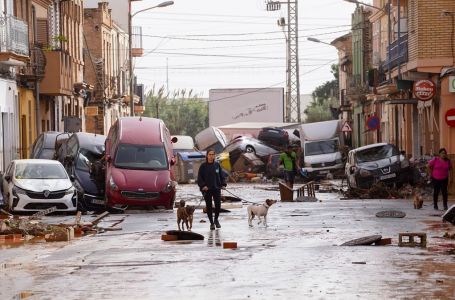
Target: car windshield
column 376, row 153
column 40, row 171
column 321, row 147
column 143, row 157
column 85, row 159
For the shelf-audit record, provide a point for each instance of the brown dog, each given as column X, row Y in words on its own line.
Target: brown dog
column 259, row 211
column 418, row 199
column 185, row 216
column 190, row 212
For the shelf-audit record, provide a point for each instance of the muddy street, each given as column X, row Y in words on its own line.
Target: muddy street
column 297, row 255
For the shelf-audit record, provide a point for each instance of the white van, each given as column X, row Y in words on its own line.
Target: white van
column 184, row 143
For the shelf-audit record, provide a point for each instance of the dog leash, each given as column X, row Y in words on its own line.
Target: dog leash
column 243, row 200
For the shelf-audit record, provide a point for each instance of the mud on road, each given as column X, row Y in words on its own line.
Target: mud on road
column 297, row 256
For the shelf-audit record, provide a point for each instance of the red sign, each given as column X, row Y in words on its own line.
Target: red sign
column 450, row 117
column 424, row 89
column 373, row 123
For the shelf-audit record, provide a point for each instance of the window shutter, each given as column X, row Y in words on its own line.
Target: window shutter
column 42, row 32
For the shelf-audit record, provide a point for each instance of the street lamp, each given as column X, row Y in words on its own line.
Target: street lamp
column 315, row 40
column 130, row 45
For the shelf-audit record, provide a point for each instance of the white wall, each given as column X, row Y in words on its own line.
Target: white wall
column 9, row 126
column 227, row 106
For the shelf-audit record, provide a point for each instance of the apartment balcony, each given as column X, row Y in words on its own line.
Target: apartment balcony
column 35, row 67
column 58, row 74
column 356, row 88
column 397, row 53
column 13, row 41
column 136, row 48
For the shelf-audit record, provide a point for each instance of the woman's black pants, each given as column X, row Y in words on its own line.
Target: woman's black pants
column 216, row 196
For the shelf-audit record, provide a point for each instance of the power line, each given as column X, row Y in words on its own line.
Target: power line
column 238, row 40
column 252, row 33
column 233, row 56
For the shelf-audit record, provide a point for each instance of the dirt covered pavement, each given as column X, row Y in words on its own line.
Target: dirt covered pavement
column 298, row 256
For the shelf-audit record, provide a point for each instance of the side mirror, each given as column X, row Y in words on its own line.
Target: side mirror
column 7, row 178
column 173, row 161
column 352, row 170
column 174, row 140
column 72, row 178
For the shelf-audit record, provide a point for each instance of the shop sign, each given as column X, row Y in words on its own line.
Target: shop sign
column 452, row 84
column 424, row 89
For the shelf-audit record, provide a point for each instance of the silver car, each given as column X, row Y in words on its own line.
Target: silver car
column 376, row 162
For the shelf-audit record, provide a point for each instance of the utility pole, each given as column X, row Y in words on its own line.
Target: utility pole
column 292, row 62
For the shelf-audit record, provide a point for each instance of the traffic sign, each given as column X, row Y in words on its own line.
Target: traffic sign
column 346, row 127
column 373, row 123
column 450, row 117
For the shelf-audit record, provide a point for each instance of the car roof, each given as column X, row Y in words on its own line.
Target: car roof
column 91, row 141
column 369, row 147
column 140, row 130
column 37, row 161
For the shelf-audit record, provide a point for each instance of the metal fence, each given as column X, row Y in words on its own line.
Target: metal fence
column 13, row 35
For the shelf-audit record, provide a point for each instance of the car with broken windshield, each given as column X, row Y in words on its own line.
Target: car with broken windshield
column 370, row 164
column 79, row 154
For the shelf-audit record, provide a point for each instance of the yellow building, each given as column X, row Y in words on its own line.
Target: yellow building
column 27, row 121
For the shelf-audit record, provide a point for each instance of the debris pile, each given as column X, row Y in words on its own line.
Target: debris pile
column 31, row 226
column 378, row 190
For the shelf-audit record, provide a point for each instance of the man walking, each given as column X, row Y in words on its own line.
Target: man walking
column 289, row 160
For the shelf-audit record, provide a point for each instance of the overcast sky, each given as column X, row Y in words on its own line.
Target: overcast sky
column 234, row 43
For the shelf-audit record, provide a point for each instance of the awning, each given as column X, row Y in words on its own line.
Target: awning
column 403, row 101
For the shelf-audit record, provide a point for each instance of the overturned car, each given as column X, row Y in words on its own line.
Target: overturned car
column 376, row 162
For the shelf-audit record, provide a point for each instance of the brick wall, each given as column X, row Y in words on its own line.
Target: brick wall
column 429, row 30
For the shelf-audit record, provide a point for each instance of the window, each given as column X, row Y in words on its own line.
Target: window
column 40, row 171
column 143, row 157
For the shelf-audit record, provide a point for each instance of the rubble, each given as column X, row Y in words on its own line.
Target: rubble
column 29, row 226
column 378, row 190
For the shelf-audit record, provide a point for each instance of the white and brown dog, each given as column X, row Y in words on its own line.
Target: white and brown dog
column 259, row 211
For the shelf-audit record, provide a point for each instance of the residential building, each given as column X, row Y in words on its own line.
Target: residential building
column 344, row 47
column 14, row 52
column 106, row 68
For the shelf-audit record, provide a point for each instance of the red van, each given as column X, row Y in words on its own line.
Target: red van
column 139, row 157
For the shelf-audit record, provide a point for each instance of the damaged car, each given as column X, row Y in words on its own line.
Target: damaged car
column 376, row 162
column 79, row 154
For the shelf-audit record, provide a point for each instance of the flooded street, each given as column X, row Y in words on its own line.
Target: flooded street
column 297, row 256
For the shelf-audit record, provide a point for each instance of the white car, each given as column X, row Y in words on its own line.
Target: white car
column 37, row 184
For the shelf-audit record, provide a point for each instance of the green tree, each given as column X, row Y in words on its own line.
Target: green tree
column 183, row 111
column 325, row 100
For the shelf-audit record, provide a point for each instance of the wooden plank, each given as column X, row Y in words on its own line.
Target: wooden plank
column 78, row 218
column 43, row 212
column 100, row 217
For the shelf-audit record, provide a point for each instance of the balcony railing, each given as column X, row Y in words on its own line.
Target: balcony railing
column 13, row 35
column 397, row 53
column 137, row 50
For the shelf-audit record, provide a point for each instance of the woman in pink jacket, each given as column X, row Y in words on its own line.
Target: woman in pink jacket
column 441, row 172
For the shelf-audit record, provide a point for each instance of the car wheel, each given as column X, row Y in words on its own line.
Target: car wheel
column 250, row 149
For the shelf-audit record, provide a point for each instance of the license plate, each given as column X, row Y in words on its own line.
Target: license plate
column 324, row 172
column 388, row 176
column 97, row 201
